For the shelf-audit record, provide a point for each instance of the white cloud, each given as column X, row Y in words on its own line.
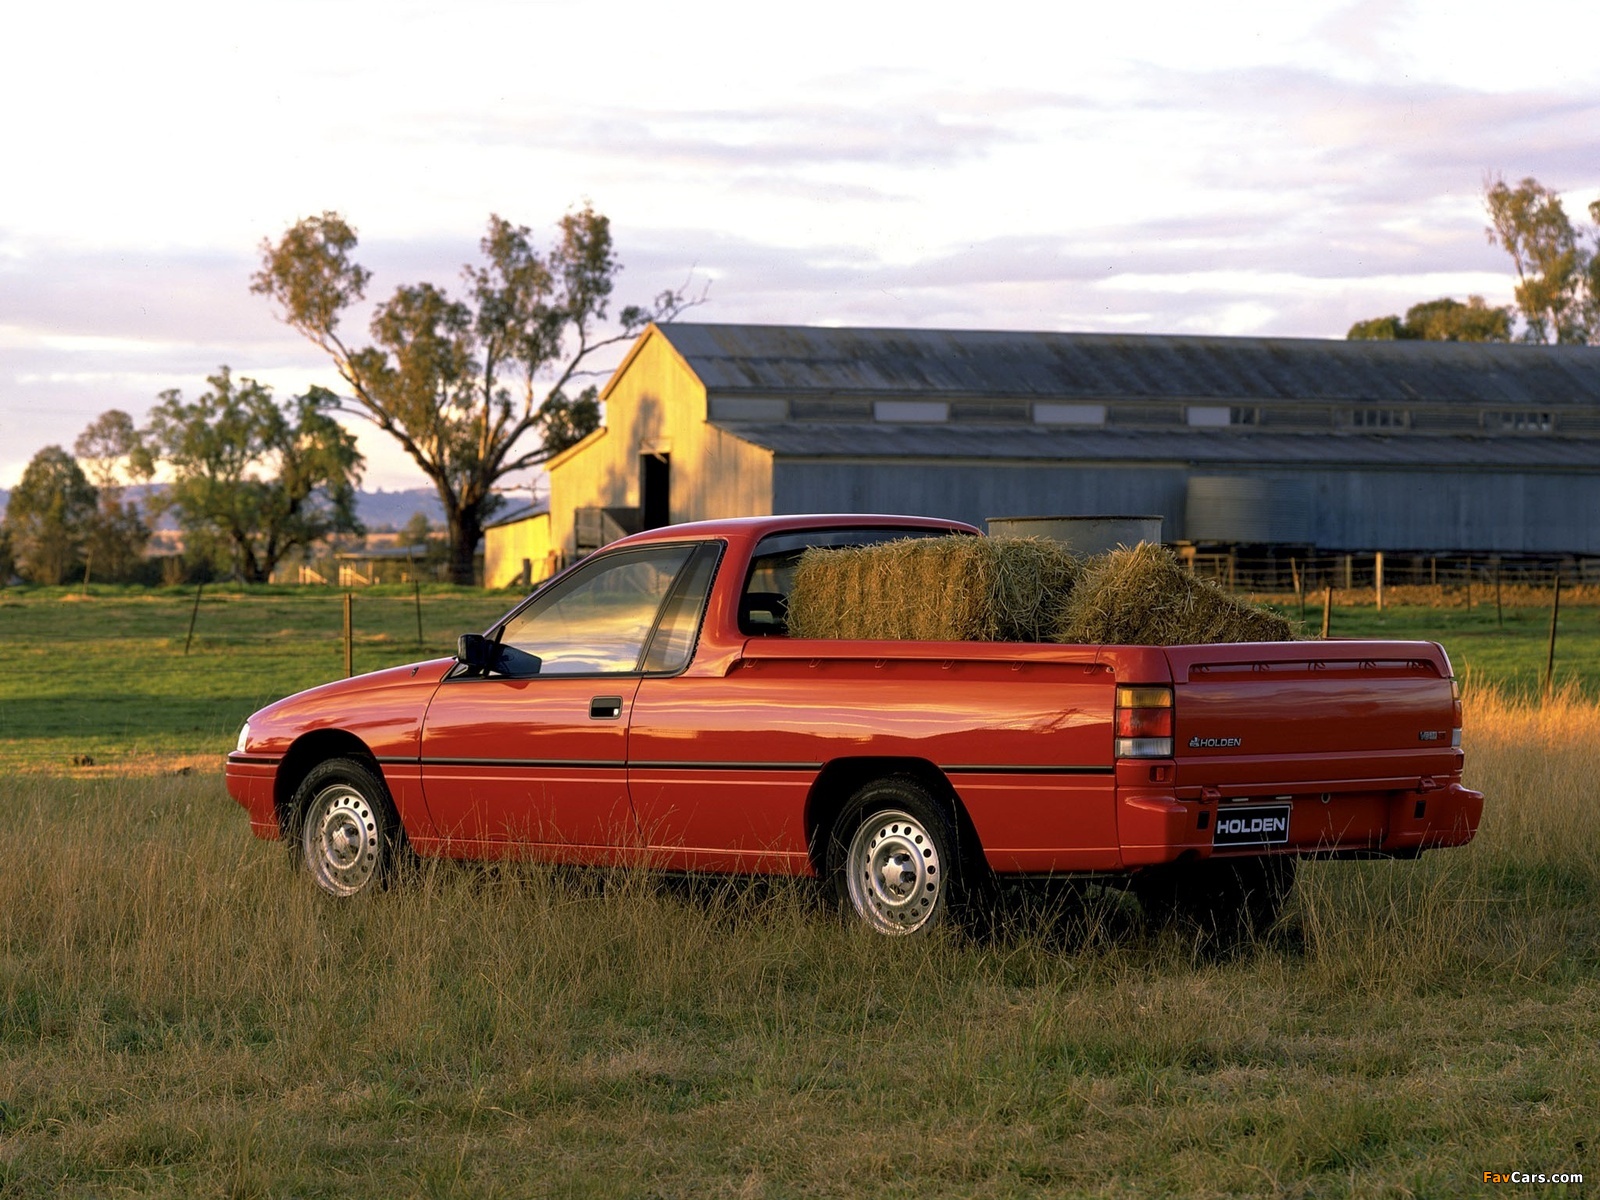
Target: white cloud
column 1260, row 168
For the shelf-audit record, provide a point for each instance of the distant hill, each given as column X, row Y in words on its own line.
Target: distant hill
column 377, row 510
column 391, row 510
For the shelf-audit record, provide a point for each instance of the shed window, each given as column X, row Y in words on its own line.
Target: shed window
column 1521, row 421
column 1216, row 416
column 1069, row 414
column 1378, row 418
column 911, row 410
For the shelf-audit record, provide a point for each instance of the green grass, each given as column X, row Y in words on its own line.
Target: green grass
column 107, row 677
column 1507, row 654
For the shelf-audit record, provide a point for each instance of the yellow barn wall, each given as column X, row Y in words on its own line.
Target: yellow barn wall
column 505, row 546
column 656, row 404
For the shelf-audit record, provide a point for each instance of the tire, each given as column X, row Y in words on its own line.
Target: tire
column 348, row 834
column 893, row 859
column 1229, row 900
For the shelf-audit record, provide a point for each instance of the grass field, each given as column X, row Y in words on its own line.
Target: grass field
column 105, row 677
column 181, row 1016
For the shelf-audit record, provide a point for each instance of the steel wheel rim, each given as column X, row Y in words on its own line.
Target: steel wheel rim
column 893, row 873
column 341, row 840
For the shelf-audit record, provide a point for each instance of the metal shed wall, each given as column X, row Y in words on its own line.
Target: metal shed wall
column 969, row 492
column 1493, row 512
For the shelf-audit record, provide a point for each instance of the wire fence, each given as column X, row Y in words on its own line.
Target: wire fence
column 1407, row 578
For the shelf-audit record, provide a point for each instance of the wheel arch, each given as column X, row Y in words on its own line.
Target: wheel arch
column 842, row 778
column 305, row 753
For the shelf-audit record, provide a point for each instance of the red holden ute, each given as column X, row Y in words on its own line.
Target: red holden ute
column 647, row 707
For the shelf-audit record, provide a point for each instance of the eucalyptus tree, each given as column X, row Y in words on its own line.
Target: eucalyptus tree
column 48, row 517
column 477, row 388
column 261, row 477
column 1558, row 269
column 118, row 534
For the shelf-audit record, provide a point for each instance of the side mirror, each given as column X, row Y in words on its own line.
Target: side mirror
column 477, row 652
column 481, row 655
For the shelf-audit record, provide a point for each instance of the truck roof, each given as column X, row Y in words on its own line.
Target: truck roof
column 754, row 528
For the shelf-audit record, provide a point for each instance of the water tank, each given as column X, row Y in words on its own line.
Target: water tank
column 1082, row 535
column 1246, row 508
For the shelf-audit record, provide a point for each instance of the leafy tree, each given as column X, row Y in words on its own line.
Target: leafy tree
column 117, row 535
column 1558, row 277
column 262, row 477
column 104, row 450
column 474, row 389
column 1442, row 320
column 1558, row 264
column 48, row 517
column 1379, row 329
column 418, row 531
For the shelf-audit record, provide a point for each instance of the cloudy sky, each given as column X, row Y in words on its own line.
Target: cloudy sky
column 1247, row 168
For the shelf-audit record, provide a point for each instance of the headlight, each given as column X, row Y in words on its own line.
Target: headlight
column 244, row 738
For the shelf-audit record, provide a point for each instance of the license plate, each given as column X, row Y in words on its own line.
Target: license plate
column 1263, row 825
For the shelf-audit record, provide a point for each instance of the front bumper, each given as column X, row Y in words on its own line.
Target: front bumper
column 251, row 782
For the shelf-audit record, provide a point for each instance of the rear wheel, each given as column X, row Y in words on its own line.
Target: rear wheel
column 349, row 836
column 892, row 858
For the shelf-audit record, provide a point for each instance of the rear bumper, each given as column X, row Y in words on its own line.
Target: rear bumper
column 1445, row 816
column 250, row 782
column 1157, row 827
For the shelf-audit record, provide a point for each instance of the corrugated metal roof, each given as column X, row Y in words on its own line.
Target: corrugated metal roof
column 520, row 513
column 799, row 360
column 877, row 440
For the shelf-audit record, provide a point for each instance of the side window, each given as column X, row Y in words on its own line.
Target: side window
column 764, row 601
column 598, row 620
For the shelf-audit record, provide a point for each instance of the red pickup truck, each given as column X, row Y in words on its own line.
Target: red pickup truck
column 647, row 707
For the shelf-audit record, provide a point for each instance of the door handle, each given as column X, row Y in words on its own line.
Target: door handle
column 605, row 708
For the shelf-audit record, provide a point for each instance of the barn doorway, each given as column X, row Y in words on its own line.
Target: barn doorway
column 655, row 490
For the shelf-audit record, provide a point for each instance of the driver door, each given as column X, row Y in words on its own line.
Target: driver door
column 534, row 754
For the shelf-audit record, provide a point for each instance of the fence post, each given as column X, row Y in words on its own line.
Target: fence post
column 1349, row 572
column 1377, row 577
column 1469, row 583
column 416, row 594
column 1327, row 609
column 193, row 613
column 1499, row 613
column 1550, row 662
column 349, row 647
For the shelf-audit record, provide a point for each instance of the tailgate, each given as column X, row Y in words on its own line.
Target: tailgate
column 1262, row 719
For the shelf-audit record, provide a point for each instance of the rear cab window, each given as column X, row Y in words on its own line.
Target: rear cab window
column 764, row 600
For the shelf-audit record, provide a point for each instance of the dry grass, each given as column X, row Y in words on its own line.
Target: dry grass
column 950, row 589
column 1144, row 596
column 181, row 1016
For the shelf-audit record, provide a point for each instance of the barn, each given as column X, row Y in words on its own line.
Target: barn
column 1426, row 448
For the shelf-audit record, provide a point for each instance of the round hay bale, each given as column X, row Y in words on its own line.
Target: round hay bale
column 1144, row 596
column 948, row 589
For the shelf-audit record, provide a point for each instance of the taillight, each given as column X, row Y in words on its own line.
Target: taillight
column 1455, row 711
column 1144, row 722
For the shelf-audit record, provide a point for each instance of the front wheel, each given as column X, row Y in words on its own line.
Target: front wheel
column 892, row 857
column 349, row 834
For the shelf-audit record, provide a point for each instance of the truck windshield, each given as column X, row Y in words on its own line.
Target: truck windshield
column 764, row 603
